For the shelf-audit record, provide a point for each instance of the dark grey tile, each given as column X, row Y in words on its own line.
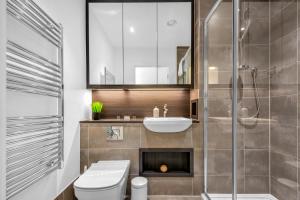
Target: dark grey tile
column 289, row 49
column 220, row 162
column 98, row 137
column 116, row 154
column 172, row 140
column 220, row 31
column 223, row 184
column 257, row 56
column 250, row 104
column 198, row 185
column 276, row 31
column 257, row 184
column 283, row 167
column 284, row 110
column 289, row 18
column 205, row 7
column 257, row 162
column 219, row 136
column 257, row 136
column 197, row 129
column 284, row 139
column 84, row 159
column 220, row 56
column 284, row 81
column 259, row 31
column 259, row 9
column 198, row 162
column 84, row 137
column 69, row 193
column 282, row 189
column 276, row 55
column 170, row 186
column 60, row 197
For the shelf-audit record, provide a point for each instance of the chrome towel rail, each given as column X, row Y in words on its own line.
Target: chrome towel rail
column 30, row 73
column 23, row 12
column 34, row 144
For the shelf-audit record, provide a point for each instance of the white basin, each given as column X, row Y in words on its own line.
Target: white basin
column 167, row 124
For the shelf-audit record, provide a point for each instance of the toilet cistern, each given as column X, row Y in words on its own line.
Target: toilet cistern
column 165, row 110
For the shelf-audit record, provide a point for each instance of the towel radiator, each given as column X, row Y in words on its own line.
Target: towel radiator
column 34, row 143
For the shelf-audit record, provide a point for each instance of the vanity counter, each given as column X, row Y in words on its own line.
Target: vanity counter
column 114, row 120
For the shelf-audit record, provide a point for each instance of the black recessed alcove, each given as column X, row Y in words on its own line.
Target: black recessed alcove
column 180, row 162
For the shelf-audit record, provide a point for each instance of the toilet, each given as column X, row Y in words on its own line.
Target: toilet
column 104, row 180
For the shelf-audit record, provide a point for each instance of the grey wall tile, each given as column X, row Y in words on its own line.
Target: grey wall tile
column 84, row 136
column 257, row 136
column 283, row 167
column 284, row 110
column 131, row 137
column 282, row 190
column 116, row 154
column 284, row 139
column 256, row 162
column 84, row 159
column 170, row 186
column 172, row 140
column 257, row 184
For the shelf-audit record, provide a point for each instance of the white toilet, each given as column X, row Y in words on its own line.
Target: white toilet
column 105, row 180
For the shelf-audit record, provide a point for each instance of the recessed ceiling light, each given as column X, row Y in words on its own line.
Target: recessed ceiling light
column 131, row 29
column 171, row 22
column 112, row 12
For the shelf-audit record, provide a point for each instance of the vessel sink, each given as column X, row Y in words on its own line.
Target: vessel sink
column 167, row 124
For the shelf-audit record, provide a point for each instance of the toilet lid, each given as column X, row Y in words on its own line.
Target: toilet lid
column 101, row 175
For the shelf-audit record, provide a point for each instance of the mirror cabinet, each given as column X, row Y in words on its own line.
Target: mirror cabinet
column 138, row 44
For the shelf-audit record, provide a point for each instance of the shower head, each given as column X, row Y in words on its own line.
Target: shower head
column 244, row 29
column 245, row 24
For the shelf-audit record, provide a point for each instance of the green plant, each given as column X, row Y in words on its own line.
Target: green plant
column 97, row 107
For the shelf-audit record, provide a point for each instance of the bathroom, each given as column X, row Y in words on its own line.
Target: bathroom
column 159, row 100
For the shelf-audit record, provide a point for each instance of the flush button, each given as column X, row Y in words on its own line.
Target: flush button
column 114, row 133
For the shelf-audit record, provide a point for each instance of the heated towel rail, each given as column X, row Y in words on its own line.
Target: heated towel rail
column 34, row 143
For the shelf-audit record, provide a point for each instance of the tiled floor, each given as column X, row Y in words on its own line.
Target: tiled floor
column 162, row 197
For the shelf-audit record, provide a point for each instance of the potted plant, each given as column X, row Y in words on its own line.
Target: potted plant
column 97, row 109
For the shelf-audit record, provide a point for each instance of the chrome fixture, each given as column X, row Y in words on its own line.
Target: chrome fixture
column 35, row 144
column 165, row 110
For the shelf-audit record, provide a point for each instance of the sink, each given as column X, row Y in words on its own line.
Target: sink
column 167, row 124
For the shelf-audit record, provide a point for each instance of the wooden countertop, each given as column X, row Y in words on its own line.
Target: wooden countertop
column 114, row 120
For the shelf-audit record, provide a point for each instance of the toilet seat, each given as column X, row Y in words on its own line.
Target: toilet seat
column 103, row 175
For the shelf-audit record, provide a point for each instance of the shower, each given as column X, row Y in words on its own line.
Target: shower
column 244, row 30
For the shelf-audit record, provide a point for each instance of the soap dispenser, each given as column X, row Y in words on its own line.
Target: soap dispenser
column 156, row 112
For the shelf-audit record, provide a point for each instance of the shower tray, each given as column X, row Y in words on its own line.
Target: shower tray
column 240, row 197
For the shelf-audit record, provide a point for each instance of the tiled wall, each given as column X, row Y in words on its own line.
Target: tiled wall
column 284, row 99
column 253, row 136
column 141, row 102
column 94, row 147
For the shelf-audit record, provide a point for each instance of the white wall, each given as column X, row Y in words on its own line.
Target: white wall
column 71, row 13
column 2, row 97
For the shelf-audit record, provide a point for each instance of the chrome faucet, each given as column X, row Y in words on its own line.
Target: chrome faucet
column 165, row 110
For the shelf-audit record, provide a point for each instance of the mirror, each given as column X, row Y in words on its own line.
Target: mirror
column 174, row 43
column 106, row 45
column 140, row 43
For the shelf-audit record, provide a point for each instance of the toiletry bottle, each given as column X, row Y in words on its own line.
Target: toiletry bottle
column 156, row 112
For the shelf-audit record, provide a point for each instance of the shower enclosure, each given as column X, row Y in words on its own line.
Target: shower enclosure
column 250, row 94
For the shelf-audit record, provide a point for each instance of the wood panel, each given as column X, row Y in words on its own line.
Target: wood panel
column 141, row 103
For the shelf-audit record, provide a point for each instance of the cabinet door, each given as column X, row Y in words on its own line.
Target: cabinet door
column 174, row 43
column 105, row 44
column 140, row 43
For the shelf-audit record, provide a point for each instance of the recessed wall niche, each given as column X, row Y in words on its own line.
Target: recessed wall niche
column 166, row 162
